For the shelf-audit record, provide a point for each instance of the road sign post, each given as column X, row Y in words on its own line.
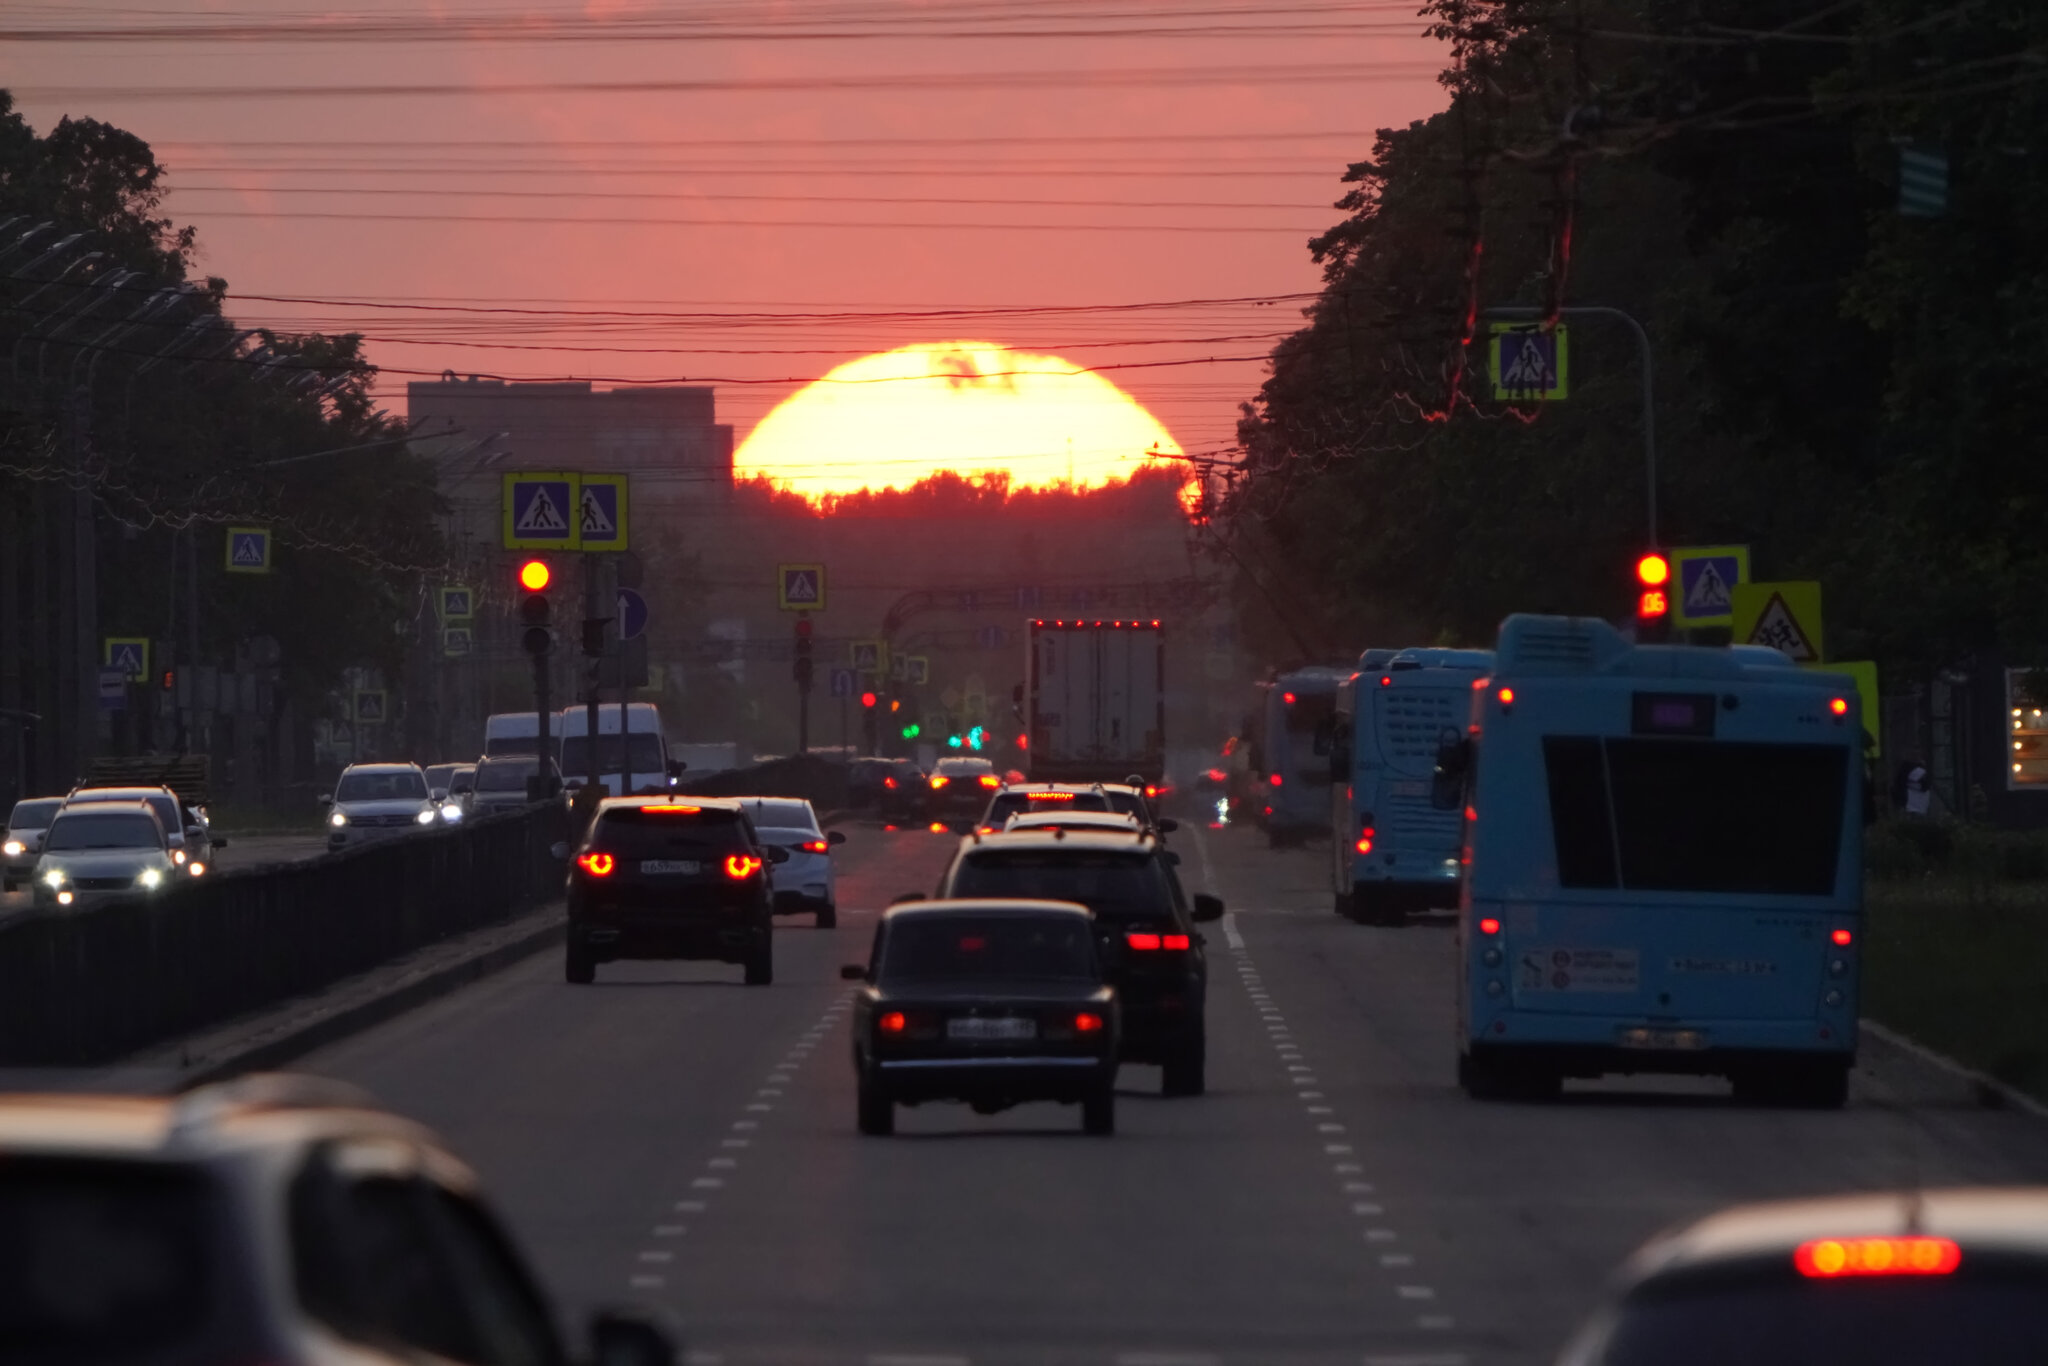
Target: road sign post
column 801, row 668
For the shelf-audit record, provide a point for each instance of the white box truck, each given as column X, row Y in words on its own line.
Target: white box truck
column 1095, row 701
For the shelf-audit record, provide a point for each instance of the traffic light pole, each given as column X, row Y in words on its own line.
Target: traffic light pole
column 801, row 670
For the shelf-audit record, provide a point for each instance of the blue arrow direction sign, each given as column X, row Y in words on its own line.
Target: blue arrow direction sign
column 842, row 682
column 632, row 614
column 248, row 550
column 543, row 511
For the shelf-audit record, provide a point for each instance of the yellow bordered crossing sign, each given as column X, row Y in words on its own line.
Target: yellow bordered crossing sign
column 1784, row 616
column 1529, row 362
column 543, row 510
column 1704, row 583
column 800, row 587
column 602, row 502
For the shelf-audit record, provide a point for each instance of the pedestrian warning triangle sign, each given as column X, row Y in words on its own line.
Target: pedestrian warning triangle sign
column 1709, row 595
column 597, row 523
column 541, row 515
column 1779, row 629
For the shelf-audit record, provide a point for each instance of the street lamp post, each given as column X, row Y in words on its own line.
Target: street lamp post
column 1515, row 311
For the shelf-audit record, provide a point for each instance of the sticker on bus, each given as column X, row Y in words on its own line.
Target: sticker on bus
column 1558, row 969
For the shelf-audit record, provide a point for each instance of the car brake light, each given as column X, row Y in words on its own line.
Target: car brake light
column 938, row 827
column 1489, row 926
column 1288, row 698
column 672, row 807
column 597, row 865
column 1038, row 797
column 741, row 866
column 889, row 782
column 938, row 781
column 1274, row 780
column 1143, row 943
column 1825, row 1258
column 1364, row 845
column 1843, row 938
column 817, row 847
column 1174, row 941
column 1087, row 1022
column 892, row 1023
column 991, row 780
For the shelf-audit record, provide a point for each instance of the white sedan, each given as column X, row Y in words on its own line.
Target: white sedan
column 805, row 882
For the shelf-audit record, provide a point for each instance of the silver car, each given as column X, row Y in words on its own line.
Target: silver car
column 377, row 801
column 102, row 851
column 188, row 835
column 805, row 881
column 24, row 839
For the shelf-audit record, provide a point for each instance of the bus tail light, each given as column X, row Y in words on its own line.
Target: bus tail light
column 1843, row 938
column 1489, row 926
column 1364, row 845
column 1826, row 1258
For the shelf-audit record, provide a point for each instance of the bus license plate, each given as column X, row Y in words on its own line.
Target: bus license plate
column 979, row 1029
column 670, row 865
column 1671, row 1040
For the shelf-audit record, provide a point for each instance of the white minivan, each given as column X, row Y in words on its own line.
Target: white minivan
column 645, row 755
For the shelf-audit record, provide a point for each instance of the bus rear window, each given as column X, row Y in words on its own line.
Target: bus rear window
column 1685, row 816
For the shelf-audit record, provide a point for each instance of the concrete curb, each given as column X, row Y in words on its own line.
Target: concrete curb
column 300, row 1027
column 1992, row 1093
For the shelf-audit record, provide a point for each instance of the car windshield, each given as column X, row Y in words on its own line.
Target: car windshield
column 104, row 1262
column 103, row 830
column 1991, row 1317
column 641, row 833
column 34, row 814
column 1111, row 883
column 163, row 803
column 643, row 753
column 927, row 947
column 398, row 785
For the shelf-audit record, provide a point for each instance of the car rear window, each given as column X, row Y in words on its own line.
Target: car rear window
column 1128, row 804
column 1113, row 884
column 34, row 814
column 104, row 1262
column 932, row 948
column 637, row 831
column 1989, row 1315
column 1007, row 804
column 955, row 767
column 103, row 830
column 784, row 815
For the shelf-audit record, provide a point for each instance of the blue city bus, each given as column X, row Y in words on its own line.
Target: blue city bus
column 1294, row 796
column 1664, row 866
column 1393, row 852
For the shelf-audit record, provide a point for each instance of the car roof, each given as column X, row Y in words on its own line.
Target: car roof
column 382, row 768
column 1106, row 820
column 1055, row 838
column 128, row 804
column 1017, row 906
column 2013, row 1219
column 124, row 793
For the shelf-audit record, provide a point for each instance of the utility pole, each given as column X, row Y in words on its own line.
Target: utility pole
column 802, row 671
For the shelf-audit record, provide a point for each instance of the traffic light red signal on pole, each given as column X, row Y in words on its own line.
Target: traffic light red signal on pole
column 1653, row 588
column 534, row 610
column 867, row 699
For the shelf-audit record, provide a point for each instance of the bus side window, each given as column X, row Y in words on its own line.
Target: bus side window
column 1453, row 770
column 1340, row 750
column 1326, row 730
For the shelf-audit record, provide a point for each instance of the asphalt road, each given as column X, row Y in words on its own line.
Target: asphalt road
column 672, row 1138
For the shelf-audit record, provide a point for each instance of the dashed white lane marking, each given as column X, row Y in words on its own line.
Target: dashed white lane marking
column 1347, row 1169
column 735, row 1142
column 707, row 1183
column 1396, row 1259
column 657, row 1256
column 742, row 1125
column 916, row 1359
column 646, row 1282
column 1415, row 1292
column 670, row 1230
column 1230, row 934
column 759, row 1107
column 1366, row 1207
column 689, row 1207
column 1380, row 1235
column 1438, row 1321
column 703, row 1359
column 1419, row 1359
column 722, row 1163
column 1358, row 1188
column 1166, row 1359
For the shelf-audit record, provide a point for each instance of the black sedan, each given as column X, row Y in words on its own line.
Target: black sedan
column 994, row 1003
column 656, row 878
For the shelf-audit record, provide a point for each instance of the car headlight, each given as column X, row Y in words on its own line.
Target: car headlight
column 338, row 819
column 177, row 855
column 451, row 812
column 196, row 868
column 13, row 849
column 151, row 878
column 53, row 877
column 425, row 817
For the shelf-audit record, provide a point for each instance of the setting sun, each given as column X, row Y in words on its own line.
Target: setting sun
column 887, row 421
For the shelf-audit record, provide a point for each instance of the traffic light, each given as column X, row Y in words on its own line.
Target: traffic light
column 802, row 668
column 1653, row 595
column 593, row 636
column 868, row 699
column 534, row 609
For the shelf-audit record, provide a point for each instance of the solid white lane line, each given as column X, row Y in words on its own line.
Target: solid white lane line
column 1419, row 1359
column 916, row 1359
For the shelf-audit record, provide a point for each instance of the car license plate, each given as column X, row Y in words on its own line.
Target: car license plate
column 977, row 1027
column 670, row 865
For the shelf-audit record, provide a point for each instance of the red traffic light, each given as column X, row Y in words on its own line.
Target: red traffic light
column 1653, row 604
column 1653, row 571
column 867, row 699
column 803, row 628
column 535, row 575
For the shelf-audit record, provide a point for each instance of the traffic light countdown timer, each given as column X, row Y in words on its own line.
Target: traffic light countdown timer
column 1653, row 595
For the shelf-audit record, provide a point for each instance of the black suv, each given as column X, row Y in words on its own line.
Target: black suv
column 658, row 878
column 1144, row 925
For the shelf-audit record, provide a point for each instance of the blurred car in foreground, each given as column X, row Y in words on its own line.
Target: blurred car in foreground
column 1898, row 1278
column 102, row 851
column 270, row 1219
column 994, row 1003
column 958, row 790
column 374, row 801
column 803, row 882
column 658, row 878
column 26, row 824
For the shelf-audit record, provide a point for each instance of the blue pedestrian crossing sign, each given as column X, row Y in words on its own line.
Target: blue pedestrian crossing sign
column 842, row 682
column 802, row 587
column 602, row 511
column 1707, row 576
column 129, row 654
column 457, row 603
column 1529, row 362
column 870, row 656
column 369, row 706
column 543, row 510
column 457, row 641
column 248, row 550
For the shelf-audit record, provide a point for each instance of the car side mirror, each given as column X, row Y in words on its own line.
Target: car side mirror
column 853, row 972
column 1208, row 907
column 835, row 837
column 625, row 1337
column 1167, row 825
column 777, row 854
column 437, row 794
column 559, row 851
column 676, row 767
column 902, row 897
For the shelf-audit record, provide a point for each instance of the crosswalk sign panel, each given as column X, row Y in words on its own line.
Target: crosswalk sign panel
column 604, row 511
column 801, row 587
column 369, row 706
column 1529, row 362
column 248, row 550
column 130, row 654
column 1707, row 576
column 542, row 511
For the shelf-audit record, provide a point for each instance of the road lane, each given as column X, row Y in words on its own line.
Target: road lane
column 673, row 1138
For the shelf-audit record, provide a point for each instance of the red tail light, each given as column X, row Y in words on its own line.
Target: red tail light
column 1826, row 1258
column 1174, row 941
column 1364, row 845
column 1274, row 780
column 739, row 867
column 938, row 782
column 1489, row 926
column 817, row 847
column 1843, row 938
column 892, row 1022
column 1143, row 943
column 1087, row 1023
column 597, row 865
column 889, row 783
column 938, row 827
column 991, row 780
